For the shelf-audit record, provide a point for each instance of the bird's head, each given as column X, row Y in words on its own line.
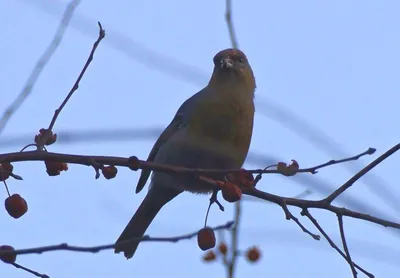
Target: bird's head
column 232, row 67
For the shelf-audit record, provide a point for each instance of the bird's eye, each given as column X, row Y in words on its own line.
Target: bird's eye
column 241, row 59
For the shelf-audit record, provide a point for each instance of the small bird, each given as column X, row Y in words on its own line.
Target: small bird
column 211, row 129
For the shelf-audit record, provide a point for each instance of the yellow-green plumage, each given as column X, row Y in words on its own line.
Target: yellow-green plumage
column 212, row 129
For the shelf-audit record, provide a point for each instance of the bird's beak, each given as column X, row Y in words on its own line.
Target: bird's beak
column 226, row 63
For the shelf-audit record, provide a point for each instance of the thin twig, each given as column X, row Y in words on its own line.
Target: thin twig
column 345, row 248
column 76, row 85
column 229, row 23
column 235, row 238
column 301, row 195
column 290, row 216
column 30, row 270
column 361, row 173
column 332, row 244
column 96, row 249
column 40, row 64
column 313, row 170
column 320, row 204
column 47, row 133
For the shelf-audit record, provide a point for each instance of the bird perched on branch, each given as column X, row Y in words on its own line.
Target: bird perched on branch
column 212, row 129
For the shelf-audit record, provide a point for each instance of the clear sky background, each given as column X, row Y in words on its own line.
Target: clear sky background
column 335, row 64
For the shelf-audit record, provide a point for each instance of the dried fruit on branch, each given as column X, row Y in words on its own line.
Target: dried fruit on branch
column 253, row 254
column 206, row 239
column 223, row 248
column 8, row 258
column 230, row 191
column 50, row 137
column 109, row 172
column 288, row 170
column 54, row 168
column 209, row 256
column 16, row 206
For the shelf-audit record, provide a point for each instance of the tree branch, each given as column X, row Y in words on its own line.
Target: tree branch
column 345, row 248
column 96, row 249
column 361, row 173
column 48, row 132
column 333, row 245
column 37, row 274
column 124, row 162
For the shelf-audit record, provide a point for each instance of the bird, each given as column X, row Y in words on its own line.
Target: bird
column 211, row 129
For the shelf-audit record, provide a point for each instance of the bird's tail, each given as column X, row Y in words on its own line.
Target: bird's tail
column 155, row 199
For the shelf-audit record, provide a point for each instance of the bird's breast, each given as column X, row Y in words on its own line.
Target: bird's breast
column 217, row 135
column 227, row 122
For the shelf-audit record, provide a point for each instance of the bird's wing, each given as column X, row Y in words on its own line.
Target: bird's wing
column 177, row 122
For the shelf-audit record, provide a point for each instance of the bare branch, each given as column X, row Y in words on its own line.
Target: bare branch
column 76, row 85
column 334, row 246
column 96, row 249
column 314, row 169
column 321, row 204
column 121, row 161
column 290, row 216
column 345, row 248
column 48, row 132
column 361, row 173
column 235, row 238
column 40, row 64
column 37, row 274
column 229, row 23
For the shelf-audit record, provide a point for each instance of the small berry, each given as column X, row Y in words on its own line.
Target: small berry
column 7, row 258
column 54, row 168
column 16, row 206
column 209, row 256
column 206, row 239
column 50, row 139
column 288, row 170
column 109, row 172
column 7, row 166
column 253, row 254
column 230, row 191
column 222, row 248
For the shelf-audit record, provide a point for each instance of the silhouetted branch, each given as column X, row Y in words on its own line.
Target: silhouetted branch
column 48, row 132
column 98, row 248
column 124, row 162
column 361, row 173
column 333, row 245
column 37, row 274
column 313, row 170
column 345, row 248
column 290, row 216
column 229, row 23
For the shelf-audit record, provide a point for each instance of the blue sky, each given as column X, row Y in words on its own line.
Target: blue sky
column 335, row 64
